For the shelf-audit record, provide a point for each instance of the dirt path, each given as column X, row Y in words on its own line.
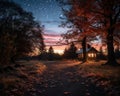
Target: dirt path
column 61, row 79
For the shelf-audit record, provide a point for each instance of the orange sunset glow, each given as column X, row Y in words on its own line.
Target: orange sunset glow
column 54, row 41
column 58, row 49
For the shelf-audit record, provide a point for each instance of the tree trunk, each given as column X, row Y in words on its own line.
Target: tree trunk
column 110, row 48
column 12, row 60
column 84, row 49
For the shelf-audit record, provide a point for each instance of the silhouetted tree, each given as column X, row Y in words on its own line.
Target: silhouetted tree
column 109, row 13
column 70, row 53
column 50, row 50
column 38, row 38
column 50, row 53
column 43, row 56
column 49, row 56
column 65, row 54
column 17, row 37
column 84, row 49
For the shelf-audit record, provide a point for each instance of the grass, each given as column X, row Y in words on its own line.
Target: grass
column 21, row 78
column 9, row 81
column 97, row 69
column 106, row 76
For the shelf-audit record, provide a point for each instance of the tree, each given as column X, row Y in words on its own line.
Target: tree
column 38, row 38
column 79, row 21
column 84, row 49
column 70, row 53
column 65, row 55
column 102, row 18
column 17, row 37
column 108, row 14
column 50, row 53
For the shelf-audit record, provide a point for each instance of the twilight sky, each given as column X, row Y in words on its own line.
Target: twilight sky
column 48, row 13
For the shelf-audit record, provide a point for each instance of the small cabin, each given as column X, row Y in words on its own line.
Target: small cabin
column 92, row 53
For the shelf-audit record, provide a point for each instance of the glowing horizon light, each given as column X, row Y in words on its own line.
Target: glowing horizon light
column 59, row 51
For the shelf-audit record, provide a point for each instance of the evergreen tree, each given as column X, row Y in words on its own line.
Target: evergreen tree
column 50, row 53
column 65, row 55
column 70, row 53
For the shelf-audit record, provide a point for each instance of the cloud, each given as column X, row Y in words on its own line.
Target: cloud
column 50, row 31
column 51, row 39
column 51, row 35
column 54, row 21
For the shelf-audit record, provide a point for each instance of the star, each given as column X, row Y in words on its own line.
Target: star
column 61, row 15
column 28, row 5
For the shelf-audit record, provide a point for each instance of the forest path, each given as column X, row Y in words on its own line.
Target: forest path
column 61, row 78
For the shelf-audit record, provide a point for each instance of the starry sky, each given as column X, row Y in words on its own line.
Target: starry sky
column 48, row 12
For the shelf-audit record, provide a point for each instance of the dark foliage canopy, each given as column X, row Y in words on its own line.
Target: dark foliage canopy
column 19, row 33
column 70, row 53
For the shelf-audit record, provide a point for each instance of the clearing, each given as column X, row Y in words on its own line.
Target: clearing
column 60, row 78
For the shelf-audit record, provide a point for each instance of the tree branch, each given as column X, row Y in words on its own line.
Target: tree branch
column 117, row 15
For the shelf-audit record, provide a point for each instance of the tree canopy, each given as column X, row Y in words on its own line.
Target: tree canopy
column 20, row 34
column 89, row 18
column 70, row 53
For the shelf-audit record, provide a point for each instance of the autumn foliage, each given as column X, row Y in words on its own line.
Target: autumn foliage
column 91, row 18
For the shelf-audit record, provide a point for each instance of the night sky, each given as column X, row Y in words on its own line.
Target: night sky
column 48, row 12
